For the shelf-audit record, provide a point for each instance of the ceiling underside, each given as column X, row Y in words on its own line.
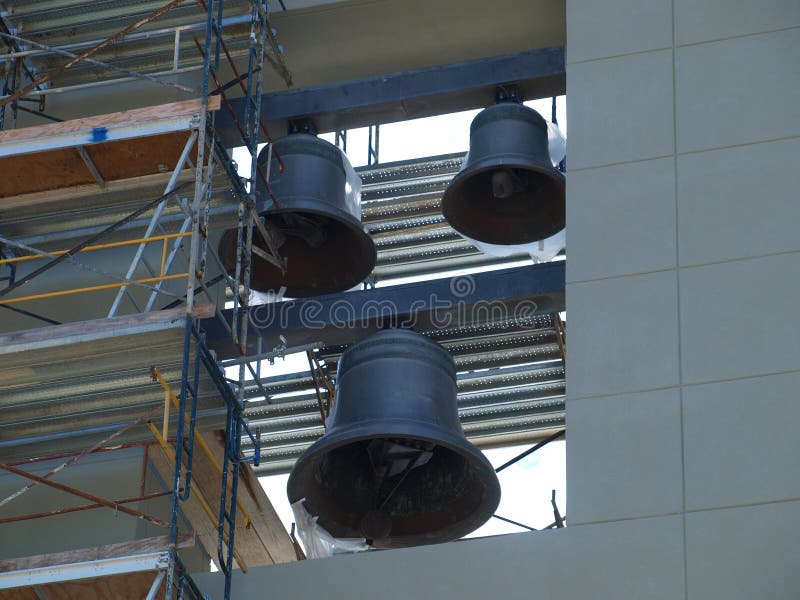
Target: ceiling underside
column 323, row 42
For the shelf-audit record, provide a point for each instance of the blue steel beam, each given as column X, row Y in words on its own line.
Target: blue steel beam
column 404, row 95
column 447, row 302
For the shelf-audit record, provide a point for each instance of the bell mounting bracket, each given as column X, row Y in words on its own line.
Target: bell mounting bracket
column 303, row 125
column 509, row 92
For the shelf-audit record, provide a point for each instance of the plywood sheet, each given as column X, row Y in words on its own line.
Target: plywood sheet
column 122, row 159
column 64, row 167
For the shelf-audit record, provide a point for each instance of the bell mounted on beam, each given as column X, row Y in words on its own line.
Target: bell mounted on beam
column 394, row 466
column 316, row 222
column 508, row 191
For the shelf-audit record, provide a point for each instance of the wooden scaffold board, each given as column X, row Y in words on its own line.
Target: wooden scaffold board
column 117, row 146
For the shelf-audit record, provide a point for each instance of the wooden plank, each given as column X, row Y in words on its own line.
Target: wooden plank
column 266, row 530
column 64, row 167
column 208, row 479
column 134, row 548
column 72, row 333
column 205, row 532
column 265, row 541
column 126, row 117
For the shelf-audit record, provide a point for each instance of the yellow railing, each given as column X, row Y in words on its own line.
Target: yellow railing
column 164, row 239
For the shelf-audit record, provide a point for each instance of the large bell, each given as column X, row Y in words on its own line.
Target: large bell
column 508, row 191
column 317, row 225
column 394, row 466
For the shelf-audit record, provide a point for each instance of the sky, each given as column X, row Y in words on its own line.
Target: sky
column 526, row 486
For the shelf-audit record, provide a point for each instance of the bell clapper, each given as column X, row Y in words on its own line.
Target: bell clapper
column 507, row 182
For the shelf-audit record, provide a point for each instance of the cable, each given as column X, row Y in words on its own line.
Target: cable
column 530, row 451
column 30, row 314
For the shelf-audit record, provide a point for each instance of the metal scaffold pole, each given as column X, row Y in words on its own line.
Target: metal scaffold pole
column 247, row 216
column 184, row 439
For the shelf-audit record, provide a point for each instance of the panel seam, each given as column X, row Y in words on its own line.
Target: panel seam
column 678, row 306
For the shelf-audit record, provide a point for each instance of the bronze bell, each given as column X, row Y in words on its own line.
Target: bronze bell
column 508, row 192
column 394, row 466
column 317, row 225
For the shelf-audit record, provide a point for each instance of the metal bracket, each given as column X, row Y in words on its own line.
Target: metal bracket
column 510, row 92
column 303, row 125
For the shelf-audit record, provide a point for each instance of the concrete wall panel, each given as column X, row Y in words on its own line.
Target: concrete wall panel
column 624, row 456
column 614, row 209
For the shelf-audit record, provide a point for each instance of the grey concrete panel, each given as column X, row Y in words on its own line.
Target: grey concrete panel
column 624, row 456
column 737, row 91
column 636, row 560
column 614, row 27
column 740, row 440
column 744, row 553
column 740, row 318
column 612, row 102
column 621, row 219
column 623, row 335
column 738, row 202
column 705, row 20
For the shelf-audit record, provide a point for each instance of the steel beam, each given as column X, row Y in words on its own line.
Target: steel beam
column 408, row 94
column 433, row 304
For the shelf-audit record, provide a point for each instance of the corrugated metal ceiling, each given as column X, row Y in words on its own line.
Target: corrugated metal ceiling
column 511, row 373
column 71, row 395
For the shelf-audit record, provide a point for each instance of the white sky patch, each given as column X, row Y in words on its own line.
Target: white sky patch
column 527, row 486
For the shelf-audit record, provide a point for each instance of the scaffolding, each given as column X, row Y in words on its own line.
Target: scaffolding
column 118, row 154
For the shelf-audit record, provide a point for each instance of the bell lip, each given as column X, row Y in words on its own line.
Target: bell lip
column 399, row 428
column 449, row 202
column 367, row 244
